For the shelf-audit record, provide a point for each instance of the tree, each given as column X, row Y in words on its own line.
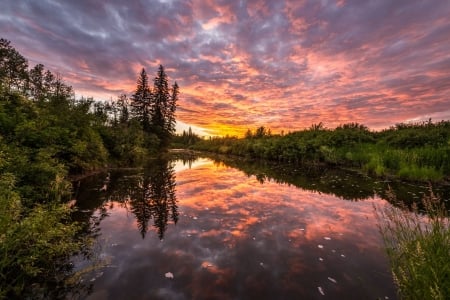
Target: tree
column 124, row 114
column 260, row 132
column 154, row 108
column 160, row 103
column 13, row 67
column 36, row 81
column 164, row 105
column 49, row 78
column 248, row 134
column 141, row 102
column 61, row 91
column 172, row 107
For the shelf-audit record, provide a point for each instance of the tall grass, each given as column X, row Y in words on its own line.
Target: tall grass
column 417, row 242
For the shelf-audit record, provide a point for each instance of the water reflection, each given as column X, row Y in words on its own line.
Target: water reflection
column 348, row 185
column 148, row 194
column 153, row 197
column 243, row 232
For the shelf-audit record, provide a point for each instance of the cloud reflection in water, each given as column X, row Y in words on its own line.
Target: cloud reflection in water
column 239, row 239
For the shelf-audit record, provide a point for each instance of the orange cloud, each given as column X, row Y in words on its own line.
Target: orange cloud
column 282, row 64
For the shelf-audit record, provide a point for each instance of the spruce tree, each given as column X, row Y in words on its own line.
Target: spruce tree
column 161, row 98
column 161, row 111
column 141, row 102
column 172, row 107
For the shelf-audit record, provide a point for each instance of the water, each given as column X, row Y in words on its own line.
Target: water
column 203, row 229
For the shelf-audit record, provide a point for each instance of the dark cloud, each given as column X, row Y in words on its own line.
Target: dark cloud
column 330, row 60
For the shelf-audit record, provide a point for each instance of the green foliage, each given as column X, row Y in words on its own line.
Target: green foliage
column 35, row 243
column 375, row 166
column 418, row 247
column 13, row 67
column 351, row 145
column 419, row 173
column 185, row 140
column 46, row 135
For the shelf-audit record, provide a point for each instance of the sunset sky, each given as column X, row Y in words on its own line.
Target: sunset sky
column 284, row 64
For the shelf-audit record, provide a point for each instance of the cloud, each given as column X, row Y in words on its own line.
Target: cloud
column 286, row 64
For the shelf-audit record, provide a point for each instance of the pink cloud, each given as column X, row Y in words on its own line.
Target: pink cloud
column 282, row 64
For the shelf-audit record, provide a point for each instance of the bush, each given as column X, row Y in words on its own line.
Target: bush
column 35, row 244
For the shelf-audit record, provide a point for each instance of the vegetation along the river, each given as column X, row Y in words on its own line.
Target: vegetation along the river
column 46, row 136
column 418, row 151
column 418, row 247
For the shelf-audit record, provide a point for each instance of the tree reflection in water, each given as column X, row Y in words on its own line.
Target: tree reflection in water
column 149, row 195
column 154, row 198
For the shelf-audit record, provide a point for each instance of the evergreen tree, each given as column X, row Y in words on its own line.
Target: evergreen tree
column 164, row 106
column 172, row 107
column 160, row 103
column 141, row 102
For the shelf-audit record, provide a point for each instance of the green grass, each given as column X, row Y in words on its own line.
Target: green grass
column 418, row 246
column 414, row 172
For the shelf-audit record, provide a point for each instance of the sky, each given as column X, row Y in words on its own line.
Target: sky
column 282, row 64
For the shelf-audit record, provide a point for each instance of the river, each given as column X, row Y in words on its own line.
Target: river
column 209, row 229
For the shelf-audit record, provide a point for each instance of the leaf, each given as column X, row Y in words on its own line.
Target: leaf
column 321, row 290
column 332, row 280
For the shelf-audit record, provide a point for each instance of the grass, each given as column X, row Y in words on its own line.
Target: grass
column 417, row 242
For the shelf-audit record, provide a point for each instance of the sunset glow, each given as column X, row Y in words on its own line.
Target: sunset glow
column 282, row 64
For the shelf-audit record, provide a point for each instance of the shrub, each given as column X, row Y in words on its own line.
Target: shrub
column 35, row 244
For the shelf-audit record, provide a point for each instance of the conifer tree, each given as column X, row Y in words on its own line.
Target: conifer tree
column 155, row 108
column 161, row 98
column 172, row 107
column 161, row 111
column 141, row 102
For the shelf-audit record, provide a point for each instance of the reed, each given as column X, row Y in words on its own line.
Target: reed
column 417, row 242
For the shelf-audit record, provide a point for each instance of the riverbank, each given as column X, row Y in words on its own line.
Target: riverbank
column 416, row 152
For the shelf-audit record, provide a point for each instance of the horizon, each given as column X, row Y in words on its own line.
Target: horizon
column 284, row 65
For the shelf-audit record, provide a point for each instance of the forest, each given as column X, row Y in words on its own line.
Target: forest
column 47, row 137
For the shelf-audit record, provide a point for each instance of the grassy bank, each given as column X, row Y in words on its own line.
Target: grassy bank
column 418, row 247
column 413, row 152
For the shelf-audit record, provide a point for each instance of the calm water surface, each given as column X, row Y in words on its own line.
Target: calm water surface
column 204, row 230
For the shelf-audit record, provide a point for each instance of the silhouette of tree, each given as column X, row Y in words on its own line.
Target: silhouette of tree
column 260, row 132
column 160, row 105
column 141, row 102
column 13, row 67
column 172, row 107
column 155, row 197
column 36, row 82
column 155, row 108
